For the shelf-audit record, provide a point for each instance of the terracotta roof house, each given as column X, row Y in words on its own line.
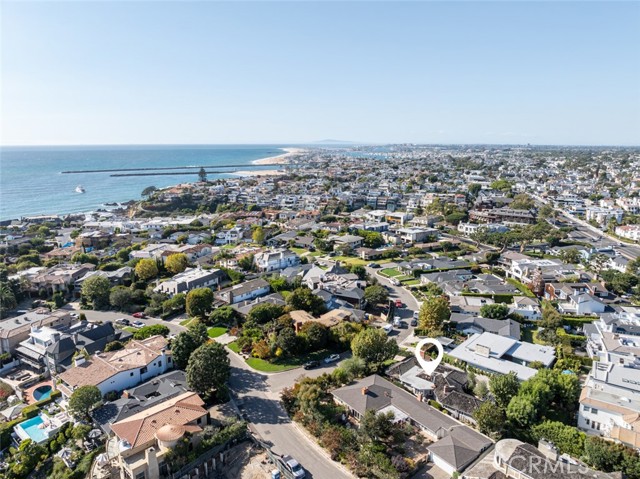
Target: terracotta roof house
column 145, row 438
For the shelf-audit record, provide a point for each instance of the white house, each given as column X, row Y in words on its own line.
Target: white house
column 502, row 355
column 276, row 260
column 244, row 292
column 526, row 307
column 118, row 370
column 190, row 278
column 610, row 403
column 582, row 303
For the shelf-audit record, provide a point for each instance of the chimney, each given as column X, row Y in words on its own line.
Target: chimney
column 365, row 391
column 152, row 462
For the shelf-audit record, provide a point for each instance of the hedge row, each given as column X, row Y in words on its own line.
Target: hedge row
column 28, row 412
column 498, row 298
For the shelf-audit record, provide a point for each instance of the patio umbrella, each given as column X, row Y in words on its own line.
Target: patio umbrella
column 102, row 459
column 95, row 434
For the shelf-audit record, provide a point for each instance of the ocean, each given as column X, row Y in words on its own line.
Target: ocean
column 32, row 181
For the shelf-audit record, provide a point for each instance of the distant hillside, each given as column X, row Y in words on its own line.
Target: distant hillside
column 334, row 142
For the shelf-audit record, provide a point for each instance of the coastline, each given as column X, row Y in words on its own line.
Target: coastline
column 280, row 159
column 258, row 172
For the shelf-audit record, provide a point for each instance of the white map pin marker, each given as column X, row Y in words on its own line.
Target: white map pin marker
column 429, row 366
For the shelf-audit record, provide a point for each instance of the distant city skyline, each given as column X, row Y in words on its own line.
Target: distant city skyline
column 203, row 73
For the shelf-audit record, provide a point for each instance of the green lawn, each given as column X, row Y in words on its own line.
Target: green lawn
column 390, row 272
column 131, row 329
column 280, row 364
column 411, row 282
column 350, row 260
column 530, row 335
column 216, row 331
column 523, row 289
column 185, row 322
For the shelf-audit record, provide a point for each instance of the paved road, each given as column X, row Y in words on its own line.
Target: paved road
column 261, row 405
column 406, row 312
column 95, row 316
column 599, row 238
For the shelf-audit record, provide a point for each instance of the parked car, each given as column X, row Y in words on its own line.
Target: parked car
column 332, row 359
column 416, row 314
column 395, row 282
column 138, row 324
column 387, row 328
column 396, row 321
column 311, row 364
column 398, row 303
column 373, row 265
column 414, row 322
column 139, row 315
column 294, row 467
column 123, row 321
column 74, row 315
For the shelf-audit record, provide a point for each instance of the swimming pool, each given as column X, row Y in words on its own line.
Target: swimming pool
column 32, row 428
column 43, row 392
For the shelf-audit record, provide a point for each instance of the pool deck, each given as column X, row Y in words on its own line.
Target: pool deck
column 28, row 393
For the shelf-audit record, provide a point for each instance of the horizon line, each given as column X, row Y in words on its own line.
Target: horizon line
column 321, row 143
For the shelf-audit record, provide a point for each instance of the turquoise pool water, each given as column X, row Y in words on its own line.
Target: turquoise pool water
column 31, row 427
column 43, row 392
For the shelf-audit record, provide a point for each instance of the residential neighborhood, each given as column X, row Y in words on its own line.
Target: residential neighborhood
column 176, row 336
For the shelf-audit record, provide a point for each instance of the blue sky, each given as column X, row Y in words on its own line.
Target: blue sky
column 242, row 72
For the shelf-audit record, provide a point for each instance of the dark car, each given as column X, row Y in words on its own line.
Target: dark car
column 311, row 364
column 414, row 322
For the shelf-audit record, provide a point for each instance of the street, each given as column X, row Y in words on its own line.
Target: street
column 269, row 420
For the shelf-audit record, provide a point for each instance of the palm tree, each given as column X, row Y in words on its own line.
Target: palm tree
column 7, row 299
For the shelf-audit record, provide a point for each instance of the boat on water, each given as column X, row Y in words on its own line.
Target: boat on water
column 80, row 189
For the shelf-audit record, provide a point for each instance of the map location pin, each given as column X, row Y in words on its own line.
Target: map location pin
column 429, row 366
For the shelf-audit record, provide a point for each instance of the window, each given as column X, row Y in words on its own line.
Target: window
column 140, row 475
column 159, row 364
column 588, row 422
column 143, row 370
column 130, row 374
column 594, row 410
column 586, row 408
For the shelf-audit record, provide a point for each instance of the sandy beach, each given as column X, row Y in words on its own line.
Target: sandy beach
column 280, row 159
column 259, row 172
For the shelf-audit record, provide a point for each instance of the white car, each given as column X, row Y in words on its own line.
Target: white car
column 138, row 324
column 332, row 359
column 294, row 467
column 387, row 328
column 396, row 321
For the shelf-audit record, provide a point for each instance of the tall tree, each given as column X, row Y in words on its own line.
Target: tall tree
column 504, row 387
column 208, row 369
column 95, row 291
column 202, row 175
column 182, row 346
column 199, row 302
column 146, row 269
column 490, row 419
column 258, row 235
column 176, row 263
column 433, row 313
column 376, row 294
column 303, row 298
column 374, row 346
column 82, row 401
